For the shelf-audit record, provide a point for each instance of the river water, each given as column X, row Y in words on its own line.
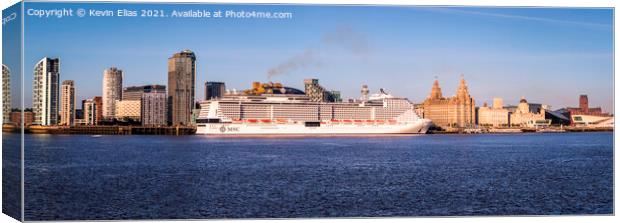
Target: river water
column 194, row 177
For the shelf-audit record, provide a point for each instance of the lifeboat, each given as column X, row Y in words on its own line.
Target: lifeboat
column 392, row 122
column 252, row 120
column 281, row 121
column 266, row 120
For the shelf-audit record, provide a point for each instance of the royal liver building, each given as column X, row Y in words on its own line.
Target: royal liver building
column 452, row 112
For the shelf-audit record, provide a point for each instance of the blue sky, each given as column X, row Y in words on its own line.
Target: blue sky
column 547, row 55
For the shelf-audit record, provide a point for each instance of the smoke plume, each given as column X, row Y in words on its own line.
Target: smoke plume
column 346, row 38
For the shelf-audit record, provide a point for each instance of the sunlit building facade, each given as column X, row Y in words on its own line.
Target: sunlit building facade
column 495, row 116
column 181, row 87
column 523, row 116
column 112, row 91
column 45, row 100
column 67, row 103
column 6, row 94
column 452, row 112
column 153, row 111
column 128, row 110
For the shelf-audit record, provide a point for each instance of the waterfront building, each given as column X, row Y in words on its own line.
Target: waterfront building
column 596, row 121
column 557, row 117
column 16, row 117
column 112, row 91
column 154, row 109
column 128, row 110
column 6, row 94
column 79, row 113
column 45, row 101
column 452, row 112
column 90, row 112
column 98, row 100
column 181, row 87
column 583, row 109
column 80, row 121
column 316, row 92
column 214, row 90
column 495, row 116
column 337, row 95
column 524, row 116
column 134, row 93
column 67, row 103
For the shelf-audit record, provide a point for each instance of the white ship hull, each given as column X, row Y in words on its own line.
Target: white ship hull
column 419, row 127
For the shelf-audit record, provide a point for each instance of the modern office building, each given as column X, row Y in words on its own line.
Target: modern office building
column 154, row 109
column 128, row 110
column 181, row 87
column 45, row 100
column 67, row 103
column 112, row 91
column 134, row 93
column 452, row 112
column 90, row 112
column 214, row 90
column 495, row 116
column 6, row 94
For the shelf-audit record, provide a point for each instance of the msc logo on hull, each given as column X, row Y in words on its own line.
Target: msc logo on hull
column 224, row 128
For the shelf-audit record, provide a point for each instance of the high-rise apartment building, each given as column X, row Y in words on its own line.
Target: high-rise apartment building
column 453, row 112
column 45, row 101
column 98, row 100
column 154, row 109
column 6, row 94
column 67, row 103
column 214, row 90
column 90, row 112
column 181, row 87
column 112, row 91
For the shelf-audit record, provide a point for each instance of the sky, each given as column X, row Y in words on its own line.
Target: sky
column 547, row 55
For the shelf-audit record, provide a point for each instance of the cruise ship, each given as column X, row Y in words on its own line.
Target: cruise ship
column 272, row 109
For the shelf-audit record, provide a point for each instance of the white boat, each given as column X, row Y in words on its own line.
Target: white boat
column 295, row 113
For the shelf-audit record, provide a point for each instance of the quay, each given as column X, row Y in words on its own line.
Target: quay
column 106, row 130
column 521, row 130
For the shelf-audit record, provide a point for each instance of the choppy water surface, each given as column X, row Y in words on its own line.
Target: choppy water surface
column 172, row 177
